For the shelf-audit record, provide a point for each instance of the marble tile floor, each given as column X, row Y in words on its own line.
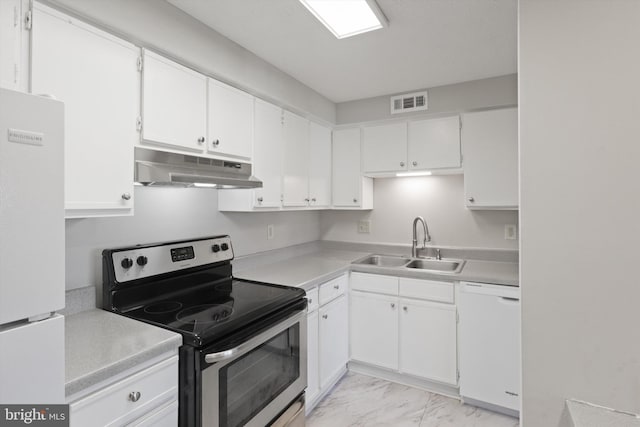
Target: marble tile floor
column 363, row 401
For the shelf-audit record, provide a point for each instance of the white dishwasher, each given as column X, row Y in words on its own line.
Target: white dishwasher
column 489, row 346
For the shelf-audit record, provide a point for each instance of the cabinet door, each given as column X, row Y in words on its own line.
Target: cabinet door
column 268, row 154
column 95, row 75
column 313, row 383
column 334, row 339
column 10, row 43
column 428, row 340
column 385, row 148
column 490, row 146
column 374, row 329
column 296, row 158
column 347, row 176
column 490, row 346
column 319, row 165
column 230, row 120
column 434, row 144
column 174, row 104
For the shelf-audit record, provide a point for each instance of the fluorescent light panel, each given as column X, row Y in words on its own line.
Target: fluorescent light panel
column 346, row 18
column 423, row 173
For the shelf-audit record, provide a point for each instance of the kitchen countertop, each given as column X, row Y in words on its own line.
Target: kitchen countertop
column 308, row 270
column 99, row 345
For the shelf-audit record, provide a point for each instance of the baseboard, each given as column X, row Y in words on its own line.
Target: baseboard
column 495, row 408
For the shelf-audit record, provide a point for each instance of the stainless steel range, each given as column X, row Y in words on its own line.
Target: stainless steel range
column 243, row 359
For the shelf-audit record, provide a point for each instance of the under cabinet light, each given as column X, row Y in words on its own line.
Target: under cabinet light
column 423, row 173
column 346, row 18
column 204, row 185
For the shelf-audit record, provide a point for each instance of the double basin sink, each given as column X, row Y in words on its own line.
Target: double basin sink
column 451, row 266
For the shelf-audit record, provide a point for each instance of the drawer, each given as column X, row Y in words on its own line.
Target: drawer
column 333, row 289
column 427, row 289
column 312, row 300
column 113, row 405
column 379, row 284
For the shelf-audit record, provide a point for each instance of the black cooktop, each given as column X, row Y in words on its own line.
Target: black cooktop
column 215, row 311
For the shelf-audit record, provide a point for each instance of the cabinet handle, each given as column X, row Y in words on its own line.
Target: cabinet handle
column 393, row 305
column 355, row 200
column 325, row 316
column 126, row 196
column 336, row 287
column 201, row 140
column 414, row 163
column 134, row 396
column 313, row 200
column 260, row 199
column 306, row 200
column 405, row 308
column 471, row 199
column 402, row 164
column 215, row 142
column 310, row 300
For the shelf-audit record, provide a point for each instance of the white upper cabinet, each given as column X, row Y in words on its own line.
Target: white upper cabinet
column 267, row 154
column 13, row 42
column 490, row 146
column 434, row 144
column 230, row 121
column 350, row 189
column 385, row 147
column 95, row 75
column 319, row 165
column 174, row 104
column 296, row 160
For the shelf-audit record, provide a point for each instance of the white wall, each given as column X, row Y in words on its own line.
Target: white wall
column 493, row 92
column 439, row 199
column 159, row 25
column 163, row 214
column 579, row 93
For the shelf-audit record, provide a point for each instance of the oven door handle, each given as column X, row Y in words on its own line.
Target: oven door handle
column 226, row 354
column 255, row 341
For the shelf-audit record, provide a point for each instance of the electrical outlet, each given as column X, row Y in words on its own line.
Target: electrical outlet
column 364, row 226
column 270, row 232
column 510, row 232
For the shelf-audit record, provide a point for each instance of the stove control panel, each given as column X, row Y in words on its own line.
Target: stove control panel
column 137, row 263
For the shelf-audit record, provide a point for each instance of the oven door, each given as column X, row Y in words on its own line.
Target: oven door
column 254, row 382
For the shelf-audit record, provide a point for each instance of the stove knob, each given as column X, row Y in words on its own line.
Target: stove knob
column 126, row 263
column 142, row 260
column 225, row 246
column 215, row 248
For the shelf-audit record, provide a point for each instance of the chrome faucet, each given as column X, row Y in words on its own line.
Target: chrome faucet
column 427, row 237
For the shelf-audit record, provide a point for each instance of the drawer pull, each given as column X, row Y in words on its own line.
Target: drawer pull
column 324, row 316
column 310, row 300
column 405, row 308
column 134, row 396
column 393, row 305
column 336, row 287
column 510, row 393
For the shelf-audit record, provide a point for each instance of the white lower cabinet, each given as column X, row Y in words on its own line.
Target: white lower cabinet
column 313, row 380
column 327, row 337
column 428, row 340
column 334, row 340
column 416, row 336
column 148, row 397
column 374, row 329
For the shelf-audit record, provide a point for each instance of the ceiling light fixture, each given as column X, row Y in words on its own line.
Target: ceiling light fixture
column 423, row 173
column 346, row 18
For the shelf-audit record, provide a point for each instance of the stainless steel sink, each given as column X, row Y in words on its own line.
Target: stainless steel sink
column 383, row 261
column 444, row 265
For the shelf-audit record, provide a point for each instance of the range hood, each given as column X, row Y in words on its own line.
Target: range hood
column 153, row 167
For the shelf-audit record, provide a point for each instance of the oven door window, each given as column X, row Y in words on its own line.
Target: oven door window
column 251, row 382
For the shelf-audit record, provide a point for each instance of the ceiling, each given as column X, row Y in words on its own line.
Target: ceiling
column 428, row 43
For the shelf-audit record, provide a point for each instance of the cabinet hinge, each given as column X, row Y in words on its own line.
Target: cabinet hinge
column 16, row 73
column 457, row 317
column 16, row 16
column 139, row 124
column 139, row 63
column 457, row 375
column 28, row 19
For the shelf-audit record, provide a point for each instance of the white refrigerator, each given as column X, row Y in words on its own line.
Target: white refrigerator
column 32, row 249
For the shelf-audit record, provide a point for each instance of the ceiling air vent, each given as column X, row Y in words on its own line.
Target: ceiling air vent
column 409, row 102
